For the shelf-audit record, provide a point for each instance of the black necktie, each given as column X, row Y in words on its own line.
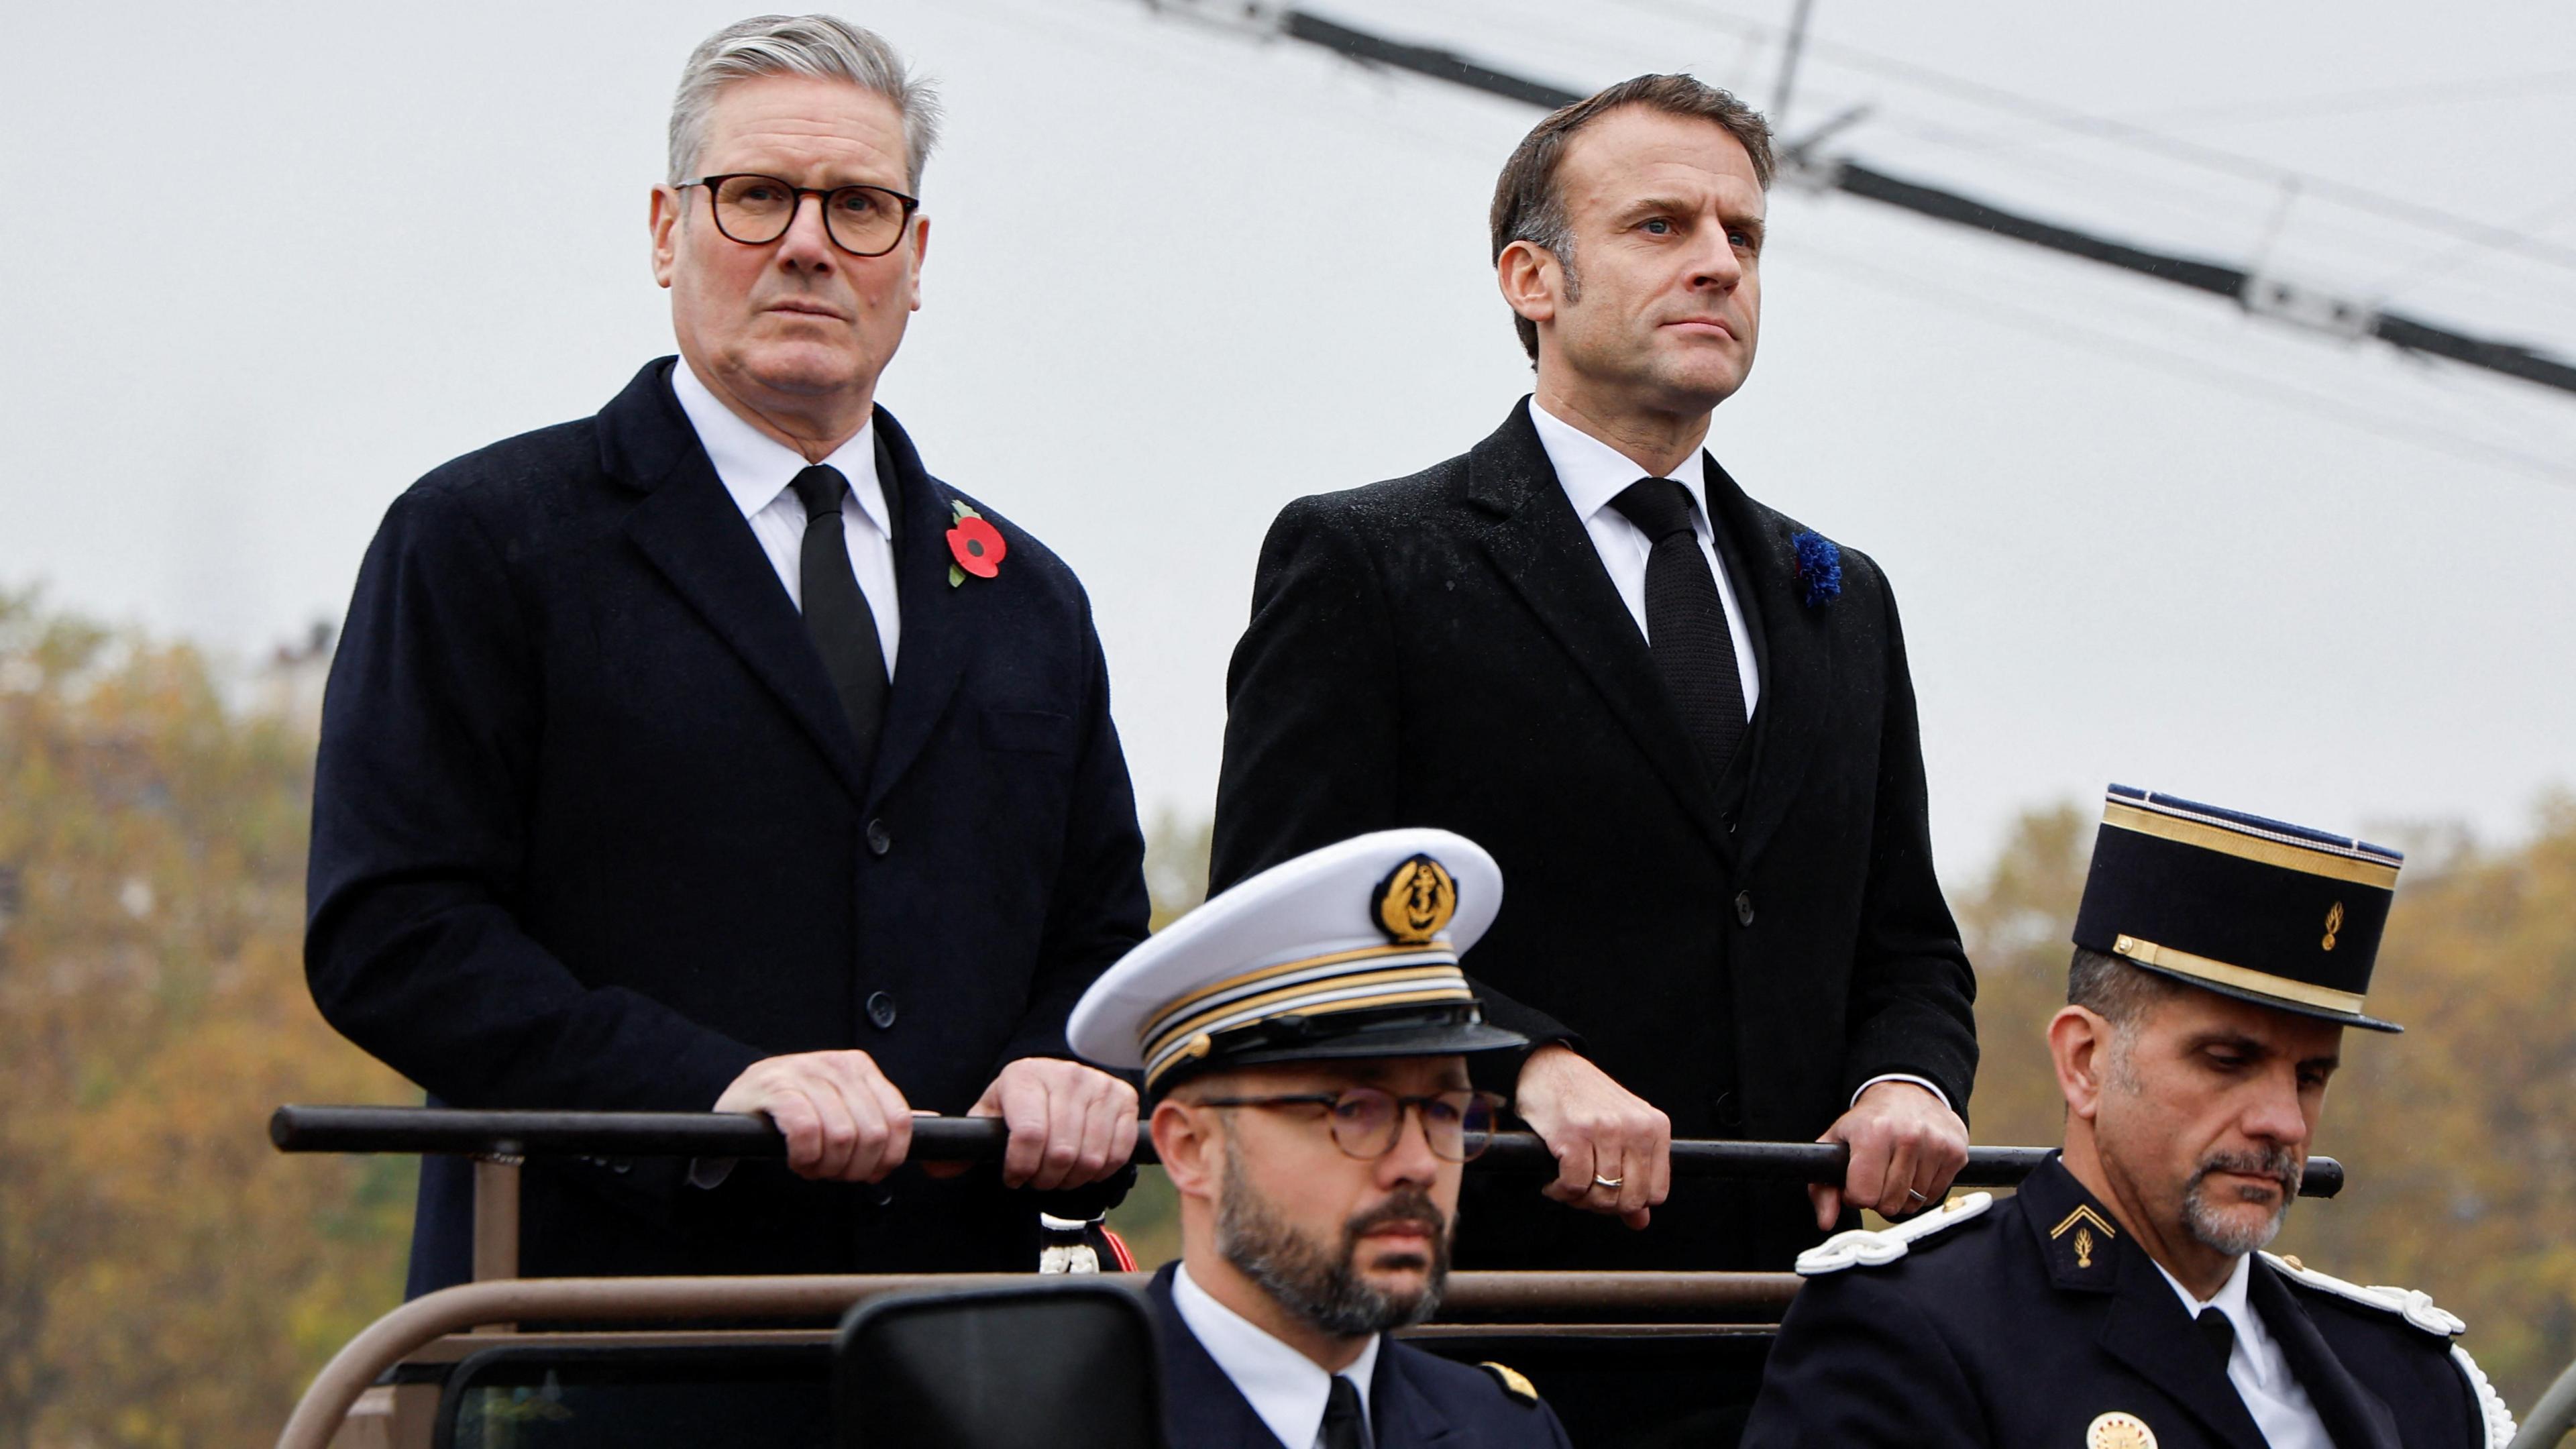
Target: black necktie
column 2213, row 1325
column 836, row 613
column 1343, row 1426
column 1686, row 621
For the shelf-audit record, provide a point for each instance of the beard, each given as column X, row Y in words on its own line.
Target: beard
column 2228, row 1233
column 1322, row 1287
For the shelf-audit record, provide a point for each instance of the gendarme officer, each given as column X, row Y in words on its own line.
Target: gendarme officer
column 2121, row 1299
column 1304, row 1040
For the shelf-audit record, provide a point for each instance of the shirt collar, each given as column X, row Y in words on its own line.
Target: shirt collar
column 2230, row 1298
column 1286, row 1388
column 755, row 467
column 1592, row 472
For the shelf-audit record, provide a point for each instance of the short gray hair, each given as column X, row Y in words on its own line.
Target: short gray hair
column 825, row 47
column 2116, row 989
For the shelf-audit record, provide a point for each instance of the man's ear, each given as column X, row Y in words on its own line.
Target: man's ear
column 664, row 221
column 2079, row 1044
column 1189, row 1147
column 1530, row 280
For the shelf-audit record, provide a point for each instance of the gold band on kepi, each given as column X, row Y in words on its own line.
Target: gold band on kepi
column 1348, row 951
column 2268, row 912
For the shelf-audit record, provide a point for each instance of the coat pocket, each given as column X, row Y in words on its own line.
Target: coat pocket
column 1034, row 731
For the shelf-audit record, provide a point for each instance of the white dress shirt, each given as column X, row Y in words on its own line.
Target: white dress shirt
column 1593, row 473
column 756, row 468
column 2258, row 1368
column 1286, row 1388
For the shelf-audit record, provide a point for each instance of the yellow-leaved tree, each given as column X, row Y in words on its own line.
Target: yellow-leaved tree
column 166, row 1278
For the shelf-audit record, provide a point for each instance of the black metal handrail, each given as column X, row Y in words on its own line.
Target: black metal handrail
column 981, row 1139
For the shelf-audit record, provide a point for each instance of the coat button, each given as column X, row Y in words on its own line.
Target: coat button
column 881, row 1010
column 1744, row 908
column 880, row 839
column 1728, row 1111
column 876, row 1194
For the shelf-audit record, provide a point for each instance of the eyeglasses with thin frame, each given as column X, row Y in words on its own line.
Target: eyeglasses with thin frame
column 1367, row 1123
column 755, row 210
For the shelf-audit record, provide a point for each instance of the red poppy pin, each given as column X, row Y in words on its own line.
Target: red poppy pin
column 975, row 544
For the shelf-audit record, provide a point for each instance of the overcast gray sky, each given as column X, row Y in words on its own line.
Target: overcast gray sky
column 267, row 264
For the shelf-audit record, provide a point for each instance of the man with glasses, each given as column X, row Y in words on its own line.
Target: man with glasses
column 711, row 753
column 1303, row 1038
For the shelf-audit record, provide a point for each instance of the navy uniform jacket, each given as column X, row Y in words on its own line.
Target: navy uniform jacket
column 2023, row 1326
column 1447, row 649
column 591, row 831
column 1415, row 1398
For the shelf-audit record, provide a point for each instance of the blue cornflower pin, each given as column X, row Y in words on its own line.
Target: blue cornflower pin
column 1820, row 567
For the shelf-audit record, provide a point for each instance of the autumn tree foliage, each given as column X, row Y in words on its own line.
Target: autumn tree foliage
column 2460, row 1135
column 166, row 1278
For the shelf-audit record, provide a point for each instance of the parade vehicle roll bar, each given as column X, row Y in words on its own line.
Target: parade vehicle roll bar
column 981, row 1139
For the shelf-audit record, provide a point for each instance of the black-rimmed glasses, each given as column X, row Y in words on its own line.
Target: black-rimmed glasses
column 755, row 210
column 1367, row 1123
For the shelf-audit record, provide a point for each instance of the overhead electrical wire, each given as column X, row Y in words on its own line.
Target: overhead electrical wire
column 2130, row 133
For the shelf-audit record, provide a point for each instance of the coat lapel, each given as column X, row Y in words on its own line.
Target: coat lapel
column 1541, row 549
column 940, row 624
column 690, row 529
column 2143, row 1324
column 1399, row 1416
column 2355, row 1418
column 1793, row 648
column 2148, row 1331
column 1201, row 1406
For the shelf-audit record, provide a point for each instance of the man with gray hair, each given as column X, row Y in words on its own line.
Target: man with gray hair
column 2121, row 1298
column 710, row 753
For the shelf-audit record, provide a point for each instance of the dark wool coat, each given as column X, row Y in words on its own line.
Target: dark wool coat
column 1447, row 649
column 1415, row 1398
column 2010, row 1330
column 590, row 831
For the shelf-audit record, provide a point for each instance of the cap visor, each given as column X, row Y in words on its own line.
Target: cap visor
column 2295, row 1008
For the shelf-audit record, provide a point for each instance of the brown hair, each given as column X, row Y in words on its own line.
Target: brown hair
column 1527, row 204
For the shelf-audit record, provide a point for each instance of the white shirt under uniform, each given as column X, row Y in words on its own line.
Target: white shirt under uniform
column 756, row 468
column 1592, row 474
column 2258, row 1368
column 1286, row 1388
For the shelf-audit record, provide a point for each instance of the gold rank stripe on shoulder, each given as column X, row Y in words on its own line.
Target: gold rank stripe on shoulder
column 1513, row 1381
column 2243, row 978
column 2307, row 857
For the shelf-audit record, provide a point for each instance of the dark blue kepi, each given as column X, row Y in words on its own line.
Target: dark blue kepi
column 2276, row 914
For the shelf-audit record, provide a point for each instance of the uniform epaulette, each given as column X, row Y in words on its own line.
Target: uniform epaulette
column 1516, row 1385
column 2417, row 1308
column 2420, row 1312
column 1866, row 1248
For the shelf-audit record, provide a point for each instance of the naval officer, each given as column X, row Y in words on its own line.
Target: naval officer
column 1303, row 1041
column 2122, row 1300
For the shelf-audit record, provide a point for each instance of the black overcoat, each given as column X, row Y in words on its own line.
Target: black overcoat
column 590, row 831
column 1415, row 1398
column 2010, row 1329
column 1447, row 649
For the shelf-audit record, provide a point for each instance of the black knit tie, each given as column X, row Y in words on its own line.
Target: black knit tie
column 1686, row 621
column 2213, row 1326
column 836, row 613
column 1344, row 1428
